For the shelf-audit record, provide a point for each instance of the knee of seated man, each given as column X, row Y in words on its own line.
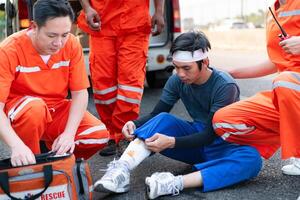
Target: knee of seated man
column 36, row 111
column 218, row 117
column 286, row 76
column 165, row 116
column 253, row 158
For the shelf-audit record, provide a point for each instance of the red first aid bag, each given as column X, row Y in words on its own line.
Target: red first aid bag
column 51, row 178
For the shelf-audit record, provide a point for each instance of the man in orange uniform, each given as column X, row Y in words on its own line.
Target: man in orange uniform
column 119, row 36
column 270, row 119
column 37, row 68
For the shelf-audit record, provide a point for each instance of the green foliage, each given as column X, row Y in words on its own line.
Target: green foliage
column 256, row 18
column 2, row 15
column 2, row 25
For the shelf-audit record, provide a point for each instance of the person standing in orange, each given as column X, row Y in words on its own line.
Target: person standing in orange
column 38, row 66
column 270, row 119
column 119, row 36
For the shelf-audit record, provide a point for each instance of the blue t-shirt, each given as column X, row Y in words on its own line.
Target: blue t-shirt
column 200, row 100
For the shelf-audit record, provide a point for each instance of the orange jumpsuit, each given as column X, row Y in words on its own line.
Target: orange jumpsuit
column 34, row 94
column 270, row 119
column 118, row 54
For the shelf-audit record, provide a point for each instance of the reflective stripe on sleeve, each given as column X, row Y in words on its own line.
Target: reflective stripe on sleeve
column 289, row 13
column 286, row 84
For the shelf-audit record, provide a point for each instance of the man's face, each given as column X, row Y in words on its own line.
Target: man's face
column 188, row 72
column 51, row 37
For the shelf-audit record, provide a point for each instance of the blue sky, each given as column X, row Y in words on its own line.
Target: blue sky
column 205, row 11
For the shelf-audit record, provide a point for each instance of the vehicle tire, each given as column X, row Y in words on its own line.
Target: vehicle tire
column 10, row 13
column 157, row 79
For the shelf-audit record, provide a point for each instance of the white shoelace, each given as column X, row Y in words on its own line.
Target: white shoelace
column 111, row 170
column 170, row 186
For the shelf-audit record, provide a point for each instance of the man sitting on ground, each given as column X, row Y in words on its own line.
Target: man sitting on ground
column 203, row 90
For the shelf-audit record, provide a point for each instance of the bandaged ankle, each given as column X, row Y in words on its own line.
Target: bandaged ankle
column 179, row 182
column 135, row 153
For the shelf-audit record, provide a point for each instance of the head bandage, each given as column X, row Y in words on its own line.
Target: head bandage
column 187, row 56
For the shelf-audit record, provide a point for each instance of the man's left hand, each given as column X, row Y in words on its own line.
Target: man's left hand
column 64, row 143
column 291, row 45
column 159, row 142
column 157, row 23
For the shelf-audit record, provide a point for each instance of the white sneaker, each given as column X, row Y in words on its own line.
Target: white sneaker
column 163, row 183
column 116, row 179
column 292, row 169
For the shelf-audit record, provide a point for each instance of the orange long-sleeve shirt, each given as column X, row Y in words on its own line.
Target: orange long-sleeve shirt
column 24, row 73
column 288, row 15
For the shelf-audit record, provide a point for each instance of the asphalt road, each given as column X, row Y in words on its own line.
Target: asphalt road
column 270, row 184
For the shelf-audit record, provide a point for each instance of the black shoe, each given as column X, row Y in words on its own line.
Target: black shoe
column 110, row 149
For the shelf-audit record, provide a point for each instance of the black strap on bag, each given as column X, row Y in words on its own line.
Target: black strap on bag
column 39, row 158
column 48, row 177
column 78, row 163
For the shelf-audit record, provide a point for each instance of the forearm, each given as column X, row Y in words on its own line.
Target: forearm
column 197, row 139
column 203, row 138
column 85, row 4
column 77, row 110
column 159, row 6
column 7, row 134
column 259, row 70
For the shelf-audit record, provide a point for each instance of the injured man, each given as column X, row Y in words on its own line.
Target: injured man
column 203, row 90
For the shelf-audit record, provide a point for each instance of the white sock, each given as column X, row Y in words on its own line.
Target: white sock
column 135, row 153
column 179, row 182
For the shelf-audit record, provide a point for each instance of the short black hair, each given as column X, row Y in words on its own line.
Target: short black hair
column 44, row 10
column 191, row 41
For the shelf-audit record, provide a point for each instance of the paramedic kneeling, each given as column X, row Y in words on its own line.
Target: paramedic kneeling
column 38, row 66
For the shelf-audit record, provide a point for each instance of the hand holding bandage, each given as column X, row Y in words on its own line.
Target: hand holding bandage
column 128, row 130
column 159, row 142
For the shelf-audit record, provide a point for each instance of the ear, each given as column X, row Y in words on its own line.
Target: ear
column 33, row 26
column 206, row 61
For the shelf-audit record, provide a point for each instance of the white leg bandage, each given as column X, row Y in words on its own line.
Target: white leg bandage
column 135, row 153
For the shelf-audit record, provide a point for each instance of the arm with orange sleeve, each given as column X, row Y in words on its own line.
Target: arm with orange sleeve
column 65, row 141
column 20, row 153
column 78, row 84
column 254, row 71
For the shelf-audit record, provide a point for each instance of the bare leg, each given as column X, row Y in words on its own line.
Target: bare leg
column 192, row 180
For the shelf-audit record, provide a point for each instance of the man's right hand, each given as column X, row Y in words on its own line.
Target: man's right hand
column 21, row 155
column 128, row 130
column 93, row 19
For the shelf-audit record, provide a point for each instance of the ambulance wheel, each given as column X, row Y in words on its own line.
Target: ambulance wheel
column 157, row 79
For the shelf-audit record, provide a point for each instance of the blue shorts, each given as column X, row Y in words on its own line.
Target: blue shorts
column 221, row 164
